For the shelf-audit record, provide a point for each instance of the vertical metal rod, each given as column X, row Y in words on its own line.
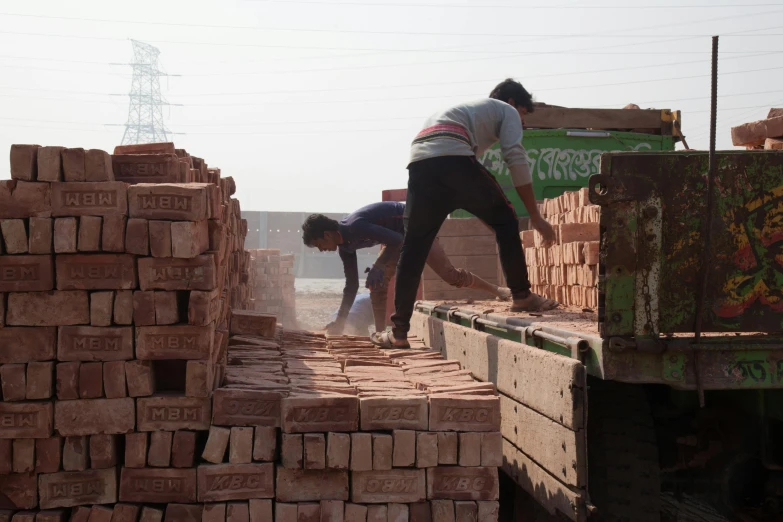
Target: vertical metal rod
column 707, row 258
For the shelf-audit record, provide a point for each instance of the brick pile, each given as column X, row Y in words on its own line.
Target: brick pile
column 766, row 134
column 116, row 275
column 272, row 284
column 568, row 270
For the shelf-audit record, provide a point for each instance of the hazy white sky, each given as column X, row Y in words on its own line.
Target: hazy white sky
column 312, row 104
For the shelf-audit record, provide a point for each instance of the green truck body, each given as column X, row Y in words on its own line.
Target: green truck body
column 716, row 399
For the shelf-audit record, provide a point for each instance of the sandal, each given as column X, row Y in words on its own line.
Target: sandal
column 387, row 341
column 536, row 303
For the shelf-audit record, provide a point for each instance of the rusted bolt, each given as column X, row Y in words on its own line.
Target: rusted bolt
column 673, row 358
column 650, row 212
column 616, row 317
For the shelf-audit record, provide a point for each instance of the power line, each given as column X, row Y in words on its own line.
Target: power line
column 506, row 6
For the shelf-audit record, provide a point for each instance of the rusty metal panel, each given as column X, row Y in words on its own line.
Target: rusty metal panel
column 745, row 293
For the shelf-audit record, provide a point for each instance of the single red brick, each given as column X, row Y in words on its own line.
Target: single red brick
column 136, row 450
column 203, row 307
column 292, row 451
column 361, row 451
column 48, row 455
column 308, row 512
column 101, row 308
column 40, row 380
column 265, row 443
column 73, row 165
column 214, row 513
column 466, row 413
column 448, row 442
column 309, row 485
column 492, row 449
column 51, row 515
column 113, row 235
column 445, row 483
column 114, row 379
column 246, row 322
column 149, row 514
column 68, row 380
column 80, row 514
column 100, row 514
column 160, row 238
column 14, row 382
column 56, row 308
column 181, row 342
column 426, row 449
column 391, row 413
column 184, row 512
column 338, row 450
column 41, row 241
column 166, row 311
column 14, row 236
column 181, row 202
column 364, row 486
column 123, row 307
column 381, row 451
column 103, row 451
column 241, row 445
column 238, row 407
column 285, row 512
column 143, row 308
column 125, row 513
column 178, row 485
column 465, row 511
column 314, row 451
column 97, row 166
column 404, row 452
column 140, row 378
column 398, row 513
column 320, row 414
column 189, row 239
column 420, row 512
column 37, row 420
column 260, row 510
column 183, row 449
column 442, row 511
column 20, row 491
column 24, row 455
column 91, row 380
column 137, row 237
column 488, row 511
column 50, row 164
column 94, row 416
column 75, row 453
column 20, row 199
column 198, row 379
column 247, row 480
column 96, row 272
column 173, row 413
column 237, row 512
column 26, row 273
column 198, row 273
column 159, row 455
column 24, row 162
column 377, row 513
column 355, row 513
column 470, row 449
column 89, row 239
column 65, row 235
column 90, row 343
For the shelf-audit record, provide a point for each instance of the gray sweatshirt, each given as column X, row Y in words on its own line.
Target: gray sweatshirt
column 470, row 129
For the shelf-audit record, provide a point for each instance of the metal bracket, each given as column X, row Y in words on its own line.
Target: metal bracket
column 620, row 344
column 674, row 366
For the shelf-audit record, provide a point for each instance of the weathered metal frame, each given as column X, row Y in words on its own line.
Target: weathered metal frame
column 727, row 362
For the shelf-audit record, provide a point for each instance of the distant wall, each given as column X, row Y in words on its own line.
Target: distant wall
column 283, row 231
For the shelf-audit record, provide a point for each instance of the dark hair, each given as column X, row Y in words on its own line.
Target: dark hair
column 508, row 89
column 315, row 226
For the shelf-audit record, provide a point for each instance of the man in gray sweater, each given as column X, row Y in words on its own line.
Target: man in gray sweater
column 444, row 175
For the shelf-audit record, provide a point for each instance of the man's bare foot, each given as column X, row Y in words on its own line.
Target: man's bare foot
column 534, row 303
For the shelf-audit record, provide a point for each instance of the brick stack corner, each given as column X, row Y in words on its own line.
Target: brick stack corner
column 766, row 134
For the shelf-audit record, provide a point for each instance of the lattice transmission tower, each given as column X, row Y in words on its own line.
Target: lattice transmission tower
column 145, row 111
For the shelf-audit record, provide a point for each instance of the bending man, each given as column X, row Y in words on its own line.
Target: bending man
column 379, row 223
column 444, row 175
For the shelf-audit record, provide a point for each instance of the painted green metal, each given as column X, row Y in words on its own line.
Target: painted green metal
column 665, row 193
column 562, row 160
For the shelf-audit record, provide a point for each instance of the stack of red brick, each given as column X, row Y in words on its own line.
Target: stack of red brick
column 272, row 289
column 763, row 134
column 115, row 284
column 568, row 270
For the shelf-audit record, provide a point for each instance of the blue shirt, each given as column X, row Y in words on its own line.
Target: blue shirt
column 376, row 224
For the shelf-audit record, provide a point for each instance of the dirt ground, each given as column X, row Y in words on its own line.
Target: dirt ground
column 317, row 300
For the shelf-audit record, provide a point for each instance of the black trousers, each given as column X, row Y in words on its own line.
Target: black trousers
column 436, row 188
